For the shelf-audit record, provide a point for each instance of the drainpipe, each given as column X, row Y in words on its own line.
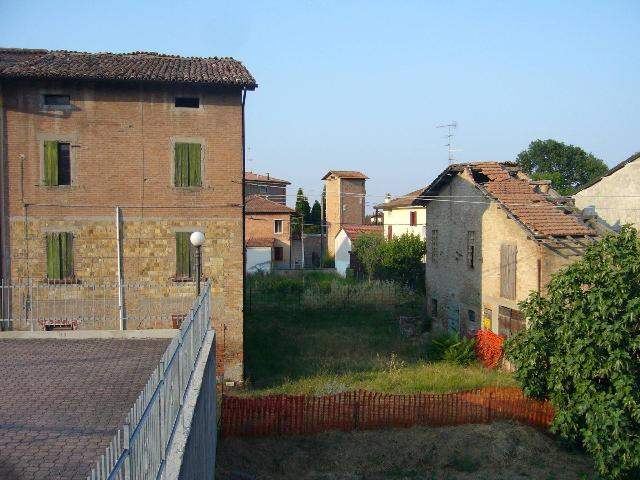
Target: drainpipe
column 121, row 314
column 244, row 248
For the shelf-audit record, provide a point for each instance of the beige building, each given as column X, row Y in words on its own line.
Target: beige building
column 498, row 241
column 346, row 192
column 404, row 214
column 615, row 197
column 158, row 137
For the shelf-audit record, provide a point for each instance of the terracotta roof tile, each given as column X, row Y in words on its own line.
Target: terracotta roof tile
column 256, row 177
column 402, row 201
column 260, row 242
column 345, row 174
column 258, row 204
column 136, row 66
column 354, row 231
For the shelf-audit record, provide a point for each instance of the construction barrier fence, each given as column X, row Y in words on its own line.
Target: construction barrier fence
column 364, row 410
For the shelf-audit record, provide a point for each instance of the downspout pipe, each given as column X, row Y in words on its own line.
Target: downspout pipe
column 244, row 247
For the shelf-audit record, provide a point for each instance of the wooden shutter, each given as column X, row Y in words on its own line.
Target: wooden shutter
column 508, row 266
column 389, row 232
column 504, row 321
column 53, row 256
column 183, row 255
column 50, row 162
column 195, row 161
column 181, row 175
column 66, row 255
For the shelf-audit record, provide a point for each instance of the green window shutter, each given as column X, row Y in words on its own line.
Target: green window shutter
column 66, row 260
column 53, row 256
column 50, row 162
column 182, row 165
column 183, row 267
column 195, row 162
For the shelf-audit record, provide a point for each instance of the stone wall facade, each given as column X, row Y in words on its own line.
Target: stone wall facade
column 453, row 287
column 122, row 139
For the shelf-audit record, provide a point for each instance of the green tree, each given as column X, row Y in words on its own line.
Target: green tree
column 567, row 166
column 303, row 210
column 368, row 248
column 582, row 351
column 402, row 258
column 314, row 219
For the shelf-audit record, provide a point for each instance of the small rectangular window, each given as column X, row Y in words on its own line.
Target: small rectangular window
column 262, row 189
column 277, row 226
column 389, row 232
column 57, row 100
column 434, row 307
column 278, row 254
column 434, row 246
column 471, row 249
column 188, row 165
column 413, row 219
column 59, row 256
column 185, row 256
column 187, row 102
column 57, row 163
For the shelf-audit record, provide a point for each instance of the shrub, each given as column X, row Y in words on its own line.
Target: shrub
column 449, row 348
column 582, row 352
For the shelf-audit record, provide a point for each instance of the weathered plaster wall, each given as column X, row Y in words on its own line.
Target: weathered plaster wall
column 399, row 220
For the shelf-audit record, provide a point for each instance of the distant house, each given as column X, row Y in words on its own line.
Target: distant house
column 345, row 202
column 615, row 197
column 492, row 238
column 404, row 214
column 344, row 244
column 267, row 234
column 266, row 186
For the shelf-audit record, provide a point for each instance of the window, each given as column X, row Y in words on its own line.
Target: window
column 434, row 307
column 187, row 102
column 278, row 254
column 413, row 218
column 262, row 189
column 277, row 226
column 57, row 163
column 471, row 249
column 390, row 232
column 510, row 321
column 508, row 255
column 59, row 256
column 434, row 246
column 471, row 315
column 57, row 100
column 188, row 169
column 185, row 257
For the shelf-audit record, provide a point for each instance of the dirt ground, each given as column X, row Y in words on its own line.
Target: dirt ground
column 496, row 451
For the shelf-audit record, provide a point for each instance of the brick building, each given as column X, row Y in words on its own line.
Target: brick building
column 345, row 191
column 493, row 236
column 267, row 234
column 159, row 137
column 266, row 186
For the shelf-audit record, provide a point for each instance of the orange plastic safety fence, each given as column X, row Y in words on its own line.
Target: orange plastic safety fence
column 360, row 409
column 489, row 347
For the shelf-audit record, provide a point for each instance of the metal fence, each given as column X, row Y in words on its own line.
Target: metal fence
column 94, row 306
column 139, row 449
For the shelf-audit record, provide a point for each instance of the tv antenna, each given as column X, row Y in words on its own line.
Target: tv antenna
column 450, row 129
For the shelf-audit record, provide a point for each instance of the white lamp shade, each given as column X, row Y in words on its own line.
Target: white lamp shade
column 197, row 239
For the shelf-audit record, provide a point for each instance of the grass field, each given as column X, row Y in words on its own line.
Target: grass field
column 320, row 351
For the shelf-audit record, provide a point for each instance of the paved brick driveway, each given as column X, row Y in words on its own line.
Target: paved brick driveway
column 61, row 401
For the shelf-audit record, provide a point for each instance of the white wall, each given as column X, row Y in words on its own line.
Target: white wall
column 258, row 258
column 399, row 220
column 342, row 249
column 616, row 197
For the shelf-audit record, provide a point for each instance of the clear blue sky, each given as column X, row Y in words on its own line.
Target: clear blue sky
column 361, row 84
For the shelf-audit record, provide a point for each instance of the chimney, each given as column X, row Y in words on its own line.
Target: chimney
column 268, row 176
column 387, row 198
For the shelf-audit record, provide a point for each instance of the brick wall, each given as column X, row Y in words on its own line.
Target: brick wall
column 275, row 193
column 345, row 206
column 261, row 225
column 122, row 142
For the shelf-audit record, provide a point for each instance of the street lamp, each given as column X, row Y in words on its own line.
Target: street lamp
column 197, row 239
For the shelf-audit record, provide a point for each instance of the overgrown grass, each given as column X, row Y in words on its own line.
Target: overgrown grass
column 327, row 350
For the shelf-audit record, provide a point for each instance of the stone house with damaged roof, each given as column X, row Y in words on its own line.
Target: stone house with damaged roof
column 502, row 238
column 268, row 239
column 160, row 137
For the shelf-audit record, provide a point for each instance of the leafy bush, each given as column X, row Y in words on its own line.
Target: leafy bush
column 582, row 352
column 368, row 249
column 402, row 259
column 449, row 348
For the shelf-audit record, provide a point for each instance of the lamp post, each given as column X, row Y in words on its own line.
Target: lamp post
column 197, row 239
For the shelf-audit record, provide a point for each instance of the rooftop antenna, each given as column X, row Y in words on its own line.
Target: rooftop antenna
column 450, row 128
